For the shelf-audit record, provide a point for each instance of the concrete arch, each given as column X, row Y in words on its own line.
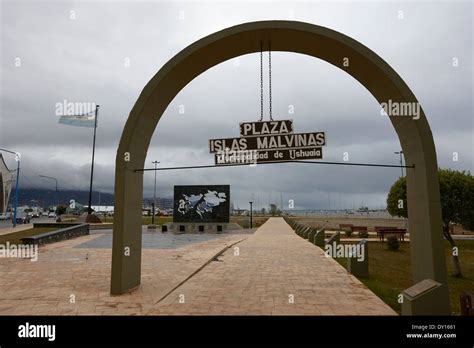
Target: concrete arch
column 368, row 68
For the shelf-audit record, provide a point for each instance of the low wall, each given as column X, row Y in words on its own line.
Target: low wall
column 55, row 224
column 72, row 230
column 102, row 226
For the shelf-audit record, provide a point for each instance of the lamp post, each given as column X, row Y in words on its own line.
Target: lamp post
column 154, row 195
column 251, row 212
column 17, row 159
column 57, row 193
column 401, row 159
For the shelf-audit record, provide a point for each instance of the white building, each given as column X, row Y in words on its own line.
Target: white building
column 102, row 208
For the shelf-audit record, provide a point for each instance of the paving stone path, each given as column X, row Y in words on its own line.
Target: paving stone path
column 273, row 272
column 71, row 280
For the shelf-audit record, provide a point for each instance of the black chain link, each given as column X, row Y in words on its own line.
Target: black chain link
column 261, row 81
column 270, row 77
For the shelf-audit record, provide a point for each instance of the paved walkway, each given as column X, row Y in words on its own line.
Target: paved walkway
column 273, row 272
column 71, row 280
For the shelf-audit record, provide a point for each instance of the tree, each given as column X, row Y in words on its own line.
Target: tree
column 457, row 204
column 397, row 198
column 61, row 209
column 273, row 209
column 264, row 211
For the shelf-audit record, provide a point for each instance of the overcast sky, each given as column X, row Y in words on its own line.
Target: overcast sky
column 84, row 59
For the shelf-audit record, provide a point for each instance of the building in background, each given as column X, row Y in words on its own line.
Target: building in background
column 6, row 181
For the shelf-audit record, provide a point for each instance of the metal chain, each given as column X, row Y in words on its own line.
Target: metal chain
column 270, row 77
column 261, row 81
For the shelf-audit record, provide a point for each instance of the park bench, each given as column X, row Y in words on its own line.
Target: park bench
column 345, row 227
column 378, row 228
column 358, row 228
column 383, row 231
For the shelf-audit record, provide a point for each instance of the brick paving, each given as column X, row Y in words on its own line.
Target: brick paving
column 275, row 272
column 45, row 287
column 273, row 266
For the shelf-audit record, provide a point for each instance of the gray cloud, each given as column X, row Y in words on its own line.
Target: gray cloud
column 83, row 60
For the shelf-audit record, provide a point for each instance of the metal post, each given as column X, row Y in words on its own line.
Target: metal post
column 251, row 212
column 57, row 192
column 17, row 157
column 89, row 210
column 57, row 199
column 154, row 196
column 401, row 159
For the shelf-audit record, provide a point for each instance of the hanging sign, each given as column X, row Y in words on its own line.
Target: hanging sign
column 267, row 141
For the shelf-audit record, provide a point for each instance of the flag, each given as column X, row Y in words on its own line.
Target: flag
column 86, row 120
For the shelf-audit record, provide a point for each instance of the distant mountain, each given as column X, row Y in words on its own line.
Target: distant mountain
column 45, row 198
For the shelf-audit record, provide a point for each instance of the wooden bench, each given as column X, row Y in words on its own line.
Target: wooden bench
column 358, row 228
column 345, row 227
column 378, row 228
column 399, row 232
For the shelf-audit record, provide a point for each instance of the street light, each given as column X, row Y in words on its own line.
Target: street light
column 251, row 214
column 57, row 194
column 154, row 196
column 17, row 159
column 401, row 159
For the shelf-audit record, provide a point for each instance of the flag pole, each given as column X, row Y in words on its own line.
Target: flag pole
column 89, row 210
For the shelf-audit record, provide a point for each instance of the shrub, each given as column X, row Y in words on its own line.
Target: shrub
column 363, row 234
column 392, row 242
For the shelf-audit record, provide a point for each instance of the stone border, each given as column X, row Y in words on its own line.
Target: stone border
column 72, row 230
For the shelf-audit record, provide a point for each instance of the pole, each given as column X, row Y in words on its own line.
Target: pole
column 89, row 210
column 154, row 196
column 401, row 162
column 279, row 162
column 57, row 199
column 401, row 159
column 57, row 192
column 251, row 224
column 16, row 188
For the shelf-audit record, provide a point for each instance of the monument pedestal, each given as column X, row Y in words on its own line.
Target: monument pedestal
column 193, row 227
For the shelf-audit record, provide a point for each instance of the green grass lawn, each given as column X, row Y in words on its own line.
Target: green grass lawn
column 390, row 272
column 14, row 238
column 159, row 220
column 243, row 221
